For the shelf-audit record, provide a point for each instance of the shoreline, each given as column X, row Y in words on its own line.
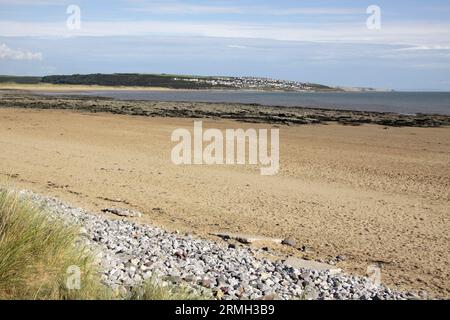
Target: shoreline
column 48, row 87
column 251, row 113
column 237, row 96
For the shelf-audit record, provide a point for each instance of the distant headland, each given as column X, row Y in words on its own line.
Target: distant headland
column 173, row 81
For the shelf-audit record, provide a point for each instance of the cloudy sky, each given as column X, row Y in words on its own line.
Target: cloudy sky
column 321, row 41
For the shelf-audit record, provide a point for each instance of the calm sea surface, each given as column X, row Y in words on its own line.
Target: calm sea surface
column 399, row 102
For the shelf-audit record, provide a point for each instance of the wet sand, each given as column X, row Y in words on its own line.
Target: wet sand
column 371, row 193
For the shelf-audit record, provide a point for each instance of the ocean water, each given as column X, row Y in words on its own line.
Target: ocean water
column 398, row 102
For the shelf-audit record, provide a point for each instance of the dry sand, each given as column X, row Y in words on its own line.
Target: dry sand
column 373, row 194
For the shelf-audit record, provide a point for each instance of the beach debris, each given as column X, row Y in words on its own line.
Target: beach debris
column 123, row 212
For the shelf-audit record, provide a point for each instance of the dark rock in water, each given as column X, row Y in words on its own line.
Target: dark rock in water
column 255, row 113
column 289, row 242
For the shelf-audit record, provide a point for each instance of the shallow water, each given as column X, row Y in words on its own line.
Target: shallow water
column 399, row 102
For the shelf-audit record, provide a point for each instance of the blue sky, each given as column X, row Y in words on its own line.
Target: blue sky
column 320, row 41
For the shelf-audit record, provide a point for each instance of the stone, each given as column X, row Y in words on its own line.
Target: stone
column 311, row 265
column 123, row 212
column 180, row 254
column 143, row 268
column 247, row 238
column 190, row 278
column 269, row 297
column 269, row 282
column 207, row 282
column 289, row 242
column 310, row 293
column 265, row 276
column 221, row 281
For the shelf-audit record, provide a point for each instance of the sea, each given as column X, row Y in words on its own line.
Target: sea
column 398, row 102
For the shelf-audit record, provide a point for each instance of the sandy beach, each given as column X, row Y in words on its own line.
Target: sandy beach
column 370, row 193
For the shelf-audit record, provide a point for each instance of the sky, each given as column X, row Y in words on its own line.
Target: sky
column 402, row 45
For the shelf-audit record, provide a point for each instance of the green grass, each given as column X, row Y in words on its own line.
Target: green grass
column 35, row 254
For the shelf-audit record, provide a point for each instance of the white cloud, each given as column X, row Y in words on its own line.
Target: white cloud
column 178, row 8
column 425, row 48
column 312, row 11
column 32, row 2
column 234, row 46
column 424, row 35
column 8, row 53
column 182, row 8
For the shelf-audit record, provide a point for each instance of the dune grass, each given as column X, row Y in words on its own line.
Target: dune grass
column 37, row 255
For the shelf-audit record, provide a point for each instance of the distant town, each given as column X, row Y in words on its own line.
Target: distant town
column 255, row 83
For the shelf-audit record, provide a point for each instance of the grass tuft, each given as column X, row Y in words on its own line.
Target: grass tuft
column 37, row 255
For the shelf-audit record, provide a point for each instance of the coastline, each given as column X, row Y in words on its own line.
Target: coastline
column 48, row 87
column 251, row 113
